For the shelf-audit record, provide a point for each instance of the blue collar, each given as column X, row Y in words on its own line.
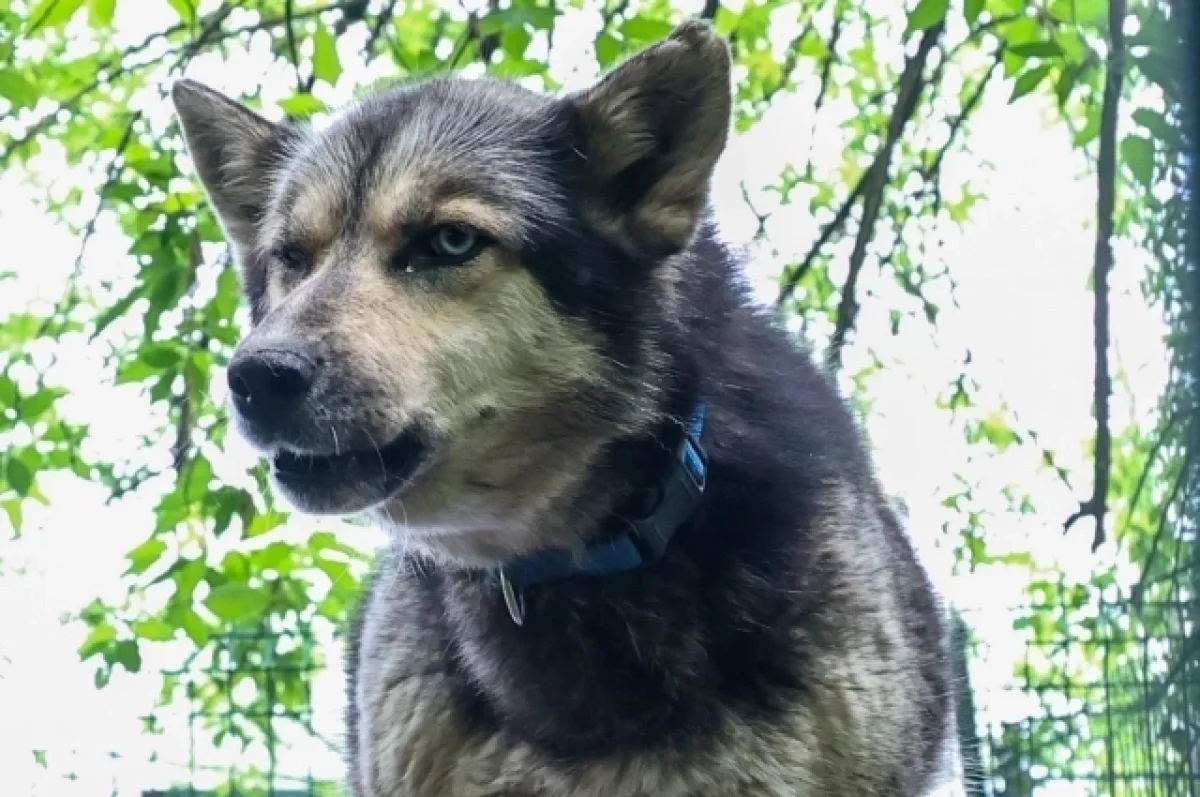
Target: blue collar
column 646, row 540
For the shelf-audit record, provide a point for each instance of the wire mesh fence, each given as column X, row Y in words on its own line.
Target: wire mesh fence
column 1101, row 699
column 249, row 709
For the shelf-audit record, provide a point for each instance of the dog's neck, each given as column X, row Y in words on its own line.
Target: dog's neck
column 645, row 524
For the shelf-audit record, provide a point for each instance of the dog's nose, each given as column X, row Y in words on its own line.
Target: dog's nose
column 268, row 382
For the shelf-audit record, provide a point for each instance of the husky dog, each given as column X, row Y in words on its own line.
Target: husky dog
column 639, row 548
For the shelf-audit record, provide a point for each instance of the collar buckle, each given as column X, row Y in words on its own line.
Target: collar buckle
column 514, row 599
column 681, row 492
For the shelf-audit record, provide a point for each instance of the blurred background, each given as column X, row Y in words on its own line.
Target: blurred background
column 973, row 211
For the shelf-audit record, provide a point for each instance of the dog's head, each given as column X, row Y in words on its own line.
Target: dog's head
column 451, row 284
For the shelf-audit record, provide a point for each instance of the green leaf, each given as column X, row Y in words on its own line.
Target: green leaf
column 264, row 522
column 1156, row 124
column 276, row 556
column 514, row 41
column 33, row 407
column 186, row 9
column 116, row 311
column 1158, row 69
column 154, row 630
column 18, row 475
column 608, row 49
column 642, row 28
column 52, row 14
column 200, row 474
column 159, row 355
column 194, row 626
column 1088, row 12
column 1040, row 49
column 8, row 392
column 127, row 654
column 326, row 64
column 100, row 12
column 12, row 508
column 1022, row 31
column 17, row 89
column 97, row 640
column 1138, row 154
column 1029, row 81
column 972, row 9
column 143, row 557
column 302, row 106
column 39, row 758
column 233, row 602
column 1074, row 46
column 927, row 14
column 1006, row 7
column 93, row 613
column 1090, row 130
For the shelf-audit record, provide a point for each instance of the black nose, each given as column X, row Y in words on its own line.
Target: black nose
column 268, row 382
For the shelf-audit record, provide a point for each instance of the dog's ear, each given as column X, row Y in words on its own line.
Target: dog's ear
column 652, row 132
column 236, row 152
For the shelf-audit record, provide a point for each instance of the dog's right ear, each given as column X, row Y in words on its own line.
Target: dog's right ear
column 236, row 153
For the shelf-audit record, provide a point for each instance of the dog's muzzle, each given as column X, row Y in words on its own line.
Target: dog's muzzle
column 271, row 388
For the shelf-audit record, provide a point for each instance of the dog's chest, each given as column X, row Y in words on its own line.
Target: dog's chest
column 415, row 738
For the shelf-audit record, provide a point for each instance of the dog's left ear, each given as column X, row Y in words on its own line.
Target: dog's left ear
column 653, row 130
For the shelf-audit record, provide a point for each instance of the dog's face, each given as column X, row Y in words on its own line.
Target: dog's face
column 447, row 282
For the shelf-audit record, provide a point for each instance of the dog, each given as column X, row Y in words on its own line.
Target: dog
column 639, row 548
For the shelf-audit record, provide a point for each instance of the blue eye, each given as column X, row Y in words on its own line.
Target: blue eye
column 453, row 241
column 441, row 246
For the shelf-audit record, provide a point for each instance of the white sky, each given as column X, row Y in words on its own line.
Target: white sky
column 1021, row 264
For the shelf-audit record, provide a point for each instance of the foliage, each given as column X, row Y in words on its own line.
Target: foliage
column 895, row 87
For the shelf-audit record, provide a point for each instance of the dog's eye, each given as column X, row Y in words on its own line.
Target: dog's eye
column 444, row 245
column 294, row 259
column 452, row 240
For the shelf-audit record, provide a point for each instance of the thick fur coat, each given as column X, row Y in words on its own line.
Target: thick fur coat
column 481, row 316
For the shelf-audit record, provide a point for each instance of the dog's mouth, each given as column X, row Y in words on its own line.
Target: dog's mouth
column 348, row 481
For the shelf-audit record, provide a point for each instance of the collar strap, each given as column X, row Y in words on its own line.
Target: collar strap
column 645, row 541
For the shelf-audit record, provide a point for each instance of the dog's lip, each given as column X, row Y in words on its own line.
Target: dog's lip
column 394, row 461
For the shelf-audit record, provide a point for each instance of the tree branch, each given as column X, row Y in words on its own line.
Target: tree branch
column 912, row 83
column 793, row 280
column 381, row 22
column 711, row 7
column 1096, row 505
column 761, row 218
column 291, row 42
column 835, row 36
column 117, row 68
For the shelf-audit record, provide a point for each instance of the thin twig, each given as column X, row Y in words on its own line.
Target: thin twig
column 835, row 37
column 760, row 218
column 930, row 174
column 109, row 72
column 1096, row 505
column 793, row 280
column 912, row 83
column 117, row 68
column 933, row 170
column 381, row 22
column 290, row 28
